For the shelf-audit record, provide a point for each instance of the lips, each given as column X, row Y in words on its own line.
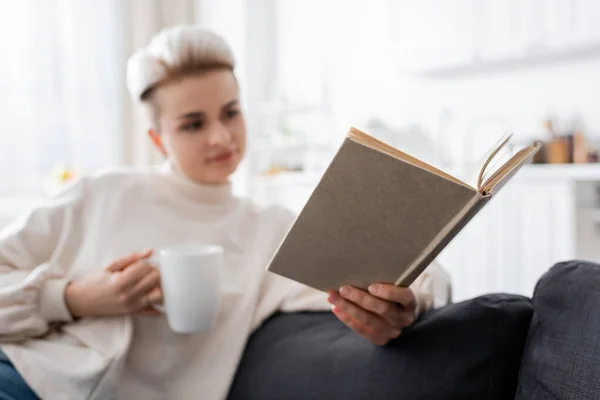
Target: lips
column 223, row 157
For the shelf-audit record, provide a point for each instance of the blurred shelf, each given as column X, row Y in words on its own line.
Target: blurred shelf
column 535, row 57
column 574, row 172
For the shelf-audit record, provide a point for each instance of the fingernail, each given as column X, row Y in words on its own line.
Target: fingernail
column 373, row 289
column 345, row 290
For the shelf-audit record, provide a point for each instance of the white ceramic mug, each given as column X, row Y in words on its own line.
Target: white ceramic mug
column 191, row 281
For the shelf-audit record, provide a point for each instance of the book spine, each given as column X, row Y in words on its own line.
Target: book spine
column 442, row 239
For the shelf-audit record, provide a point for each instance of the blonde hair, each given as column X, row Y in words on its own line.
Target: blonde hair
column 173, row 53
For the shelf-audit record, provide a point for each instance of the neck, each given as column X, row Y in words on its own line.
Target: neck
column 207, row 193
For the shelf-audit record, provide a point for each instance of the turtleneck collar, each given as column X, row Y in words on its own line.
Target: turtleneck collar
column 218, row 194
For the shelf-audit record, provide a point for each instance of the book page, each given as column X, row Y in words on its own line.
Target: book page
column 505, row 172
column 496, row 158
column 470, row 173
column 367, row 140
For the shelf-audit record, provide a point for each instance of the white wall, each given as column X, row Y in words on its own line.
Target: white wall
column 515, row 100
column 368, row 79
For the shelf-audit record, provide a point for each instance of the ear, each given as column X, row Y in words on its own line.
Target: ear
column 156, row 139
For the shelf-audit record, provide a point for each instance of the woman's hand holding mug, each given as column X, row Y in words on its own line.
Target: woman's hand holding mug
column 128, row 285
column 190, row 278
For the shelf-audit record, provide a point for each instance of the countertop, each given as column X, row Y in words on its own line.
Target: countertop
column 573, row 172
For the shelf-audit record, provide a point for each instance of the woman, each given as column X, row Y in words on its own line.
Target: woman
column 76, row 295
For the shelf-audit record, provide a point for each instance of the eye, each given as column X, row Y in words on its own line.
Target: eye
column 232, row 113
column 193, row 126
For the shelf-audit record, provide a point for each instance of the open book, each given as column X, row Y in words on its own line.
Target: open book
column 381, row 215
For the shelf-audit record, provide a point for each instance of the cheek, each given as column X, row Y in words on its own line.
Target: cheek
column 186, row 149
column 239, row 134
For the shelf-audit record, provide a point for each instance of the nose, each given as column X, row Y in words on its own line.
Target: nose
column 218, row 135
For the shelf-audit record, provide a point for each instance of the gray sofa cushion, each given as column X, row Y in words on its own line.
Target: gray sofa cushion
column 561, row 359
column 469, row 350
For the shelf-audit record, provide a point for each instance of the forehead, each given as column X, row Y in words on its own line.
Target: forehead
column 207, row 92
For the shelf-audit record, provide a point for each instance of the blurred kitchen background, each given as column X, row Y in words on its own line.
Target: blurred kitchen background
column 440, row 79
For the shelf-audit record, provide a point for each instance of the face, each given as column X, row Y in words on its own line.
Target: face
column 200, row 125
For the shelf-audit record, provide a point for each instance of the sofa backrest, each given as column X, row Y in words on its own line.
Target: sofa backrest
column 466, row 350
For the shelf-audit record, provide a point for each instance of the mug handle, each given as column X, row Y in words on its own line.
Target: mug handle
column 153, row 260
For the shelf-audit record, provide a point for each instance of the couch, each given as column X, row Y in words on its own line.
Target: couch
column 496, row 346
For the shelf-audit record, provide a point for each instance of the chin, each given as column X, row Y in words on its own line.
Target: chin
column 222, row 175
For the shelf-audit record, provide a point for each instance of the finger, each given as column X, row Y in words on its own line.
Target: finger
column 125, row 262
column 401, row 295
column 145, row 303
column 155, row 296
column 364, row 317
column 390, row 311
column 359, row 328
column 145, row 285
column 130, row 277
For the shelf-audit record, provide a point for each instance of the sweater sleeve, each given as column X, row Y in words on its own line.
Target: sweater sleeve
column 278, row 293
column 32, row 285
column 432, row 289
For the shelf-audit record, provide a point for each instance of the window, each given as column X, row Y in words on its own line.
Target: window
column 61, row 90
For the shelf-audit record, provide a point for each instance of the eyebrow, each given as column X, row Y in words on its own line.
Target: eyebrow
column 201, row 114
column 193, row 114
column 231, row 103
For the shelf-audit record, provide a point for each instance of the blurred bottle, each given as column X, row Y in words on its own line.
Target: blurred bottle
column 557, row 147
column 580, row 146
